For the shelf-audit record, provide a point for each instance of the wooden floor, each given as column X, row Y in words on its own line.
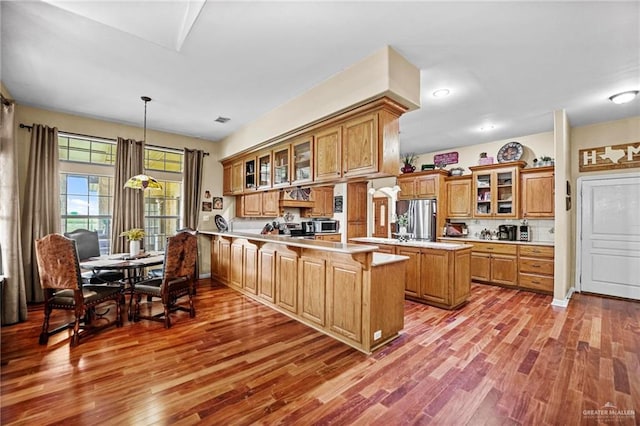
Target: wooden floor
column 507, row 357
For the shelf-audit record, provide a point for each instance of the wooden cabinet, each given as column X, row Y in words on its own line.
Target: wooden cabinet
column 264, row 170
column 281, row 166
column 360, row 146
column 495, row 263
column 250, row 268
column 249, row 168
column 302, row 161
column 427, row 186
column 357, row 209
column 327, row 155
column 496, row 190
column 344, row 300
column 287, row 279
column 420, row 185
column 258, row 204
column 536, row 265
column 232, row 180
column 447, row 282
column 537, row 192
column 220, row 258
column 236, row 265
column 267, row 274
column 227, row 173
column 413, row 275
column 322, row 197
column 458, row 191
column 407, row 186
column 336, row 238
column 313, row 289
column 384, row 248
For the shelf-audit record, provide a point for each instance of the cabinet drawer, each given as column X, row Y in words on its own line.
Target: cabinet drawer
column 536, row 282
column 495, row 248
column 536, row 266
column 536, row 251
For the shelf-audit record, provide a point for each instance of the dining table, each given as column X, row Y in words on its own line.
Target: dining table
column 133, row 268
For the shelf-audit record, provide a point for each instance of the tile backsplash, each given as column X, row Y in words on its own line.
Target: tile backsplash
column 541, row 229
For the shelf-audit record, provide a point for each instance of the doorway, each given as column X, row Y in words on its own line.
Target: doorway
column 608, row 242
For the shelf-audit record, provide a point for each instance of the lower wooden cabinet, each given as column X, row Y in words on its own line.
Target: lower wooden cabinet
column 287, row 279
column 267, row 274
column 313, row 289
column 412, row 276
column 536, row 266
column 344, row 300
column 495, row 263
column 336, row 238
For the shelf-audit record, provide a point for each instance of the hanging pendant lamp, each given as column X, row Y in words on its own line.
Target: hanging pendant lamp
column 143, row 181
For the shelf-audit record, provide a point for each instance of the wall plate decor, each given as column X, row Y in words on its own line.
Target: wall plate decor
column 511, row 151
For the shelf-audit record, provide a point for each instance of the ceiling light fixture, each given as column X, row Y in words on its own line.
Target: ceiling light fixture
column 623, row 97
column 441, row 93
column 143, row 181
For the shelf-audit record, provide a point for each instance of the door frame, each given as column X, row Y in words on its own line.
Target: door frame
column 578, row 229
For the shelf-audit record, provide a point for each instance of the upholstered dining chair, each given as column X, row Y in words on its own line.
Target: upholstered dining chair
column 61, row 281
column 88, row 246
column 178, row 280
column 157, row 272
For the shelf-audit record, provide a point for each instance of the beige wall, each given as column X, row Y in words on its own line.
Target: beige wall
column 564, row 234
column 212, row 175
column 383, row 73
column 534, row 146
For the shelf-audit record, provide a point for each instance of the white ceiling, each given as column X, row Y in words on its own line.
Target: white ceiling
column 506, row 63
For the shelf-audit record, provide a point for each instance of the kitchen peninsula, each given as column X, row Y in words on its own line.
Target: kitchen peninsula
column 347, row 291
column 437, row 274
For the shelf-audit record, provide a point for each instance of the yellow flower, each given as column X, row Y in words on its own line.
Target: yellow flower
column 133, row 234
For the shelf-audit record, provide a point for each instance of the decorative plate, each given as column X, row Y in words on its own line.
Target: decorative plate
column 221, row 223
column 511, row 151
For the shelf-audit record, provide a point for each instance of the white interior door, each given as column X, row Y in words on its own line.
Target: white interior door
column 610, row 235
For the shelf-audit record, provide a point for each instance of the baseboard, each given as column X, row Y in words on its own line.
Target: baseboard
column 563, row 303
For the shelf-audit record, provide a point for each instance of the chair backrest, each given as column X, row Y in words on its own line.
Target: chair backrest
column 180, row 256
column 58, row 262
column 86, row 241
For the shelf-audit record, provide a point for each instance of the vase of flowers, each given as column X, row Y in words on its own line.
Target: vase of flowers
column 407, row 161
column 402, row 221
column 135, row 236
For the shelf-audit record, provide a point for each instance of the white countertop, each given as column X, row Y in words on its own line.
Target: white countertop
column 384, row 258
column 480, row 240
column 421, row 244
column 298, row 242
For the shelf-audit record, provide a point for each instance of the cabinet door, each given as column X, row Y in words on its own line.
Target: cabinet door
column 328, row 201
column 344, row 300
column 480, row 266
column 506, row 190
column 427, row 186
column 302, row 161
column 407, row 188
column 237, row 180
column 459, row 198
column 264, row 170
column 249, row 173
column 327, row 154
column 435, row 282
column 483, row 194
column 319, row 208
column 250, row 261
column 412, row 271
column 266, row 275
column 313, row 290
column 227, row 176
column 336, row 238
column 357, row 201
column 224, row 260
column 237, row 256
column 270, row 205
column 537, row 194
column 360, row 146
column 215, row 257
column 504, row 269
column 383, row 248
column 287, row 280
column 251, row 204
column 281, row 166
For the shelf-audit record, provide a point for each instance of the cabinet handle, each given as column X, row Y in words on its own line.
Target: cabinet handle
column 489, row 248
column 535, row 282
column 535, row 266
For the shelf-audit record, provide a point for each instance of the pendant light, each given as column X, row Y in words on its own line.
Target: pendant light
column 143, row 181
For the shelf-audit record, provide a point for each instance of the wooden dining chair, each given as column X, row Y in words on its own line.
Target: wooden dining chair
column 88, row 245
column 61, row 281
column 178, row 280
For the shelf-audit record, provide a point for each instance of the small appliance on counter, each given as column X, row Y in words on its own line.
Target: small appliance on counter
column 525, row 232
column 456, row 229
column 325, row 226
column 507, row 232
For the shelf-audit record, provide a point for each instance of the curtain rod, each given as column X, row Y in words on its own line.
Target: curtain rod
column 24, row 126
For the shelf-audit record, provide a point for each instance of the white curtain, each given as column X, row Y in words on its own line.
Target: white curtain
column 14, row 300
column 41, row 210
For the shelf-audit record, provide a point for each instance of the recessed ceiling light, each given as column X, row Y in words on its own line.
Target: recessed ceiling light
column 487, row 127
column 624, row 97
column 441, row 93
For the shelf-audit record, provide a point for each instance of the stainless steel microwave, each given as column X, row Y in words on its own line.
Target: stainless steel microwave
column 326, row 226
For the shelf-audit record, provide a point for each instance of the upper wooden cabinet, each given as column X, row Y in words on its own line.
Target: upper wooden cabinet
column 264, row 170
column 322, row 197
column 495, row 190
column 302, row 161
column 360, row 146
column 232, row 180
column 282, row 166
column 458, row 197
column 258, row 204
column 420, row 185
column 537, row 192
column 327, row 154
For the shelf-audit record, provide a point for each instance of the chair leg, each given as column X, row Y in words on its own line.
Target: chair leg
column 118, row 314
column 167, row 318
column 75, row 338
column 192, row 309
column 44, row 334
column 136, row 309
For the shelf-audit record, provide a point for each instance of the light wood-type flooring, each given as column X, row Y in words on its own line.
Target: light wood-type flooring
column 506, row 358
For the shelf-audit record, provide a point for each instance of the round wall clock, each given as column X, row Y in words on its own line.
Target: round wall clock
column 511, row 151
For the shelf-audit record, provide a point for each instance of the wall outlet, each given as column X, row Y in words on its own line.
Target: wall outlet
column 377, row 334
column 206, row 218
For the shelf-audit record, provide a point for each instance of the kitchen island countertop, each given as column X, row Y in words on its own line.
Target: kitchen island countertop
column 411, row 243
column 480, row 240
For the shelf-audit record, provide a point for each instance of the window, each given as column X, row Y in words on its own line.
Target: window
column 87, row 167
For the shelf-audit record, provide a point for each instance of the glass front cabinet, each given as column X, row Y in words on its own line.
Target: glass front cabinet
column 264, row 170
column 495, row 191
column 250, row 173
column 281, row 167
column 302, row 161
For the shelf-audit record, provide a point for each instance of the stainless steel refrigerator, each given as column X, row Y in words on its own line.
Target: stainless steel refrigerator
column 421, row 215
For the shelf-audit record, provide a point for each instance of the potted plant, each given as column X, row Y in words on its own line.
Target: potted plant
column 402, row 221
column 407, row 161
column 135, row 236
